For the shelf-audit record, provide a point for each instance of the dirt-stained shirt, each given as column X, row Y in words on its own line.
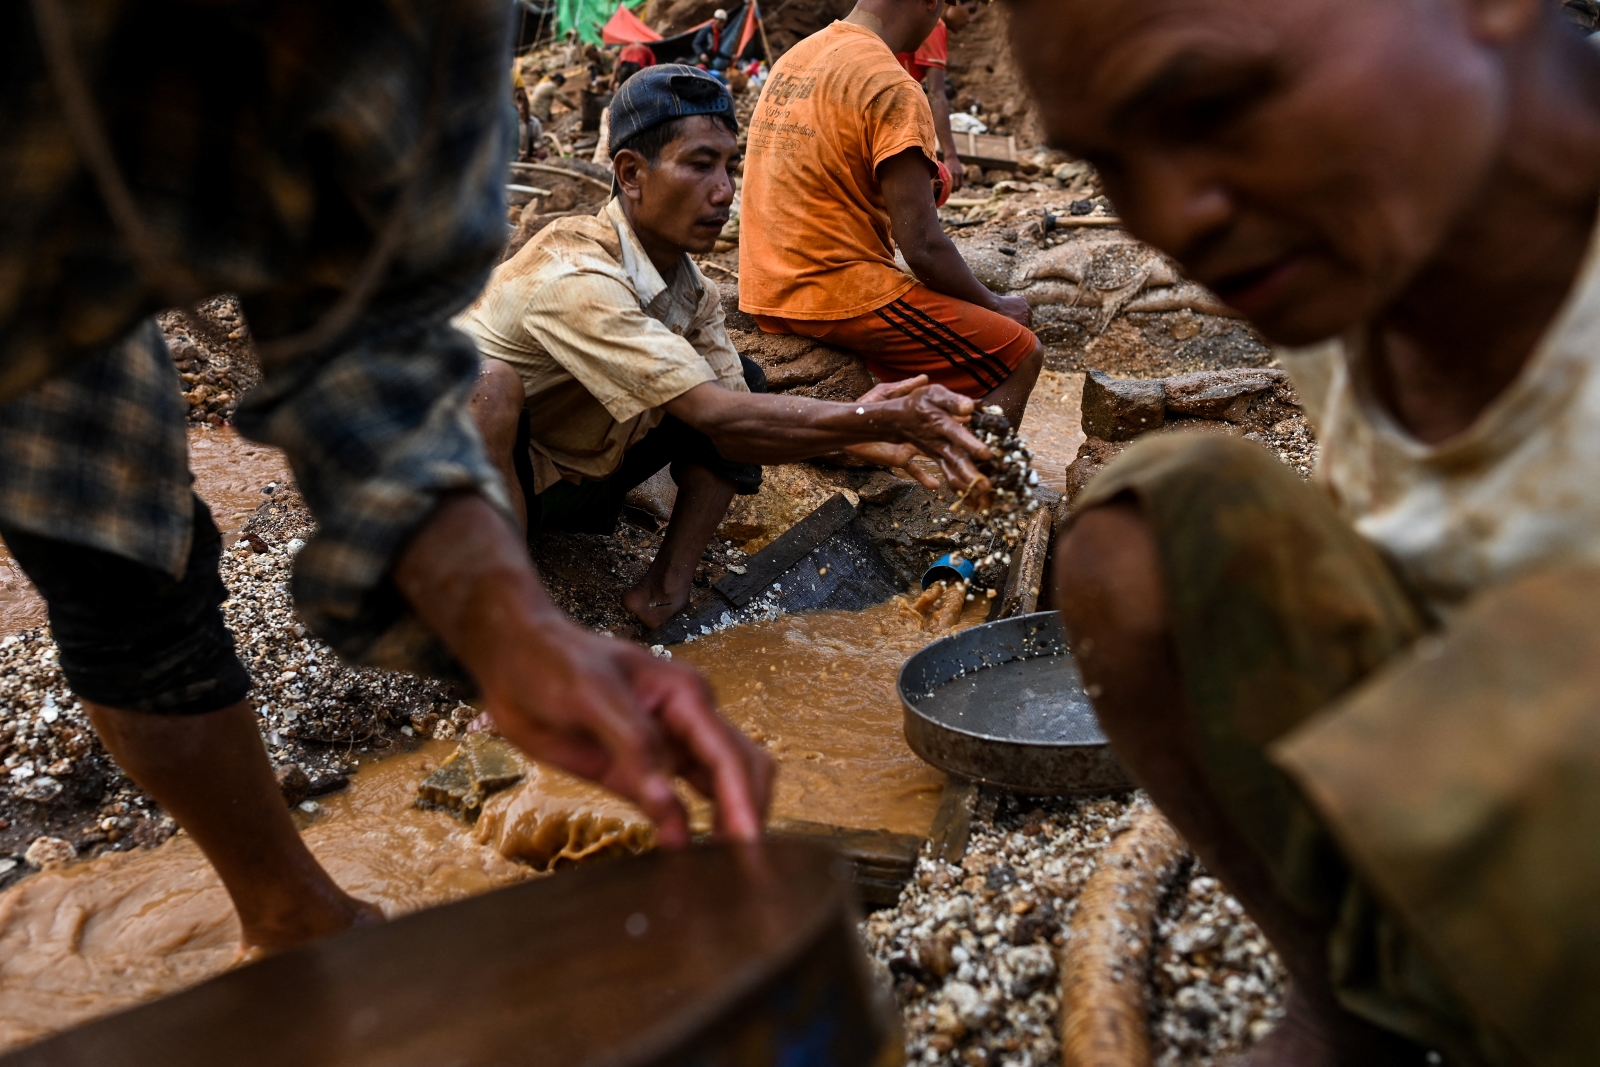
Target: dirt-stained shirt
column 814, row 237
column 1517, row 491
column 600, row 339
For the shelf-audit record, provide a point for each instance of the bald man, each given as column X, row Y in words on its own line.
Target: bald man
column 1373, row 705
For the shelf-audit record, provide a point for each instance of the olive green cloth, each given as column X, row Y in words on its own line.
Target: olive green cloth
column 1434, row 798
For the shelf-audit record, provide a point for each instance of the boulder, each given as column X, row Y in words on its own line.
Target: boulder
column 1119, row 410
column 1219, row 394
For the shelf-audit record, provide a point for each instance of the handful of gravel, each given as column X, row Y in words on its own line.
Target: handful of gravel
column 1012, row 481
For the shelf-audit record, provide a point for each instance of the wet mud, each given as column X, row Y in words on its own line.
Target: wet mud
column 817, row 691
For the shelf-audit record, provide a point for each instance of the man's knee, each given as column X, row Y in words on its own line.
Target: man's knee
column 1108, row 576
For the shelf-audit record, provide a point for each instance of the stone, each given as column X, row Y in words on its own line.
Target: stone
column 655, row 496
column 48, row 852
column 293, row 783
column 1030, row 967
column 1219, row 394
column 480, row 766
column 1119, row 410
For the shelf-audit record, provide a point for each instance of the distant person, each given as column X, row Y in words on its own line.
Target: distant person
column 607, row 358
column 927, row 66
column 839, row 173
column 544, row 95
column 707, row 44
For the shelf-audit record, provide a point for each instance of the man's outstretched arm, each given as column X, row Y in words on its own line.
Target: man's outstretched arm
column 773, row 428
column 914, row 222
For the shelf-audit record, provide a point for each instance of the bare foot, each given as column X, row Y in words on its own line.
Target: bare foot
column 1309, row 1037
column 653, row 605
column 310, row 922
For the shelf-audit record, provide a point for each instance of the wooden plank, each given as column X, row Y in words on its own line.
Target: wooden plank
column 1026, row 575
column 952, row 823
column 881, row 861
column 987, row 150
column 766, row 566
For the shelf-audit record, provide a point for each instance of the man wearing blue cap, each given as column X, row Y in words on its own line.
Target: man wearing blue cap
column 607, row 358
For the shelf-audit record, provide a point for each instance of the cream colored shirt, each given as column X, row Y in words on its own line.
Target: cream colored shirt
column 601, row 340
column 1517, row 491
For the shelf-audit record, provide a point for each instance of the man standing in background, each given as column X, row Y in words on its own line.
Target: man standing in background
column 927, row 65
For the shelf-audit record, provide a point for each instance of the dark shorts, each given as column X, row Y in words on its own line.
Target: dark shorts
column 594, row 506
column 133, row 637
column 1430, row 794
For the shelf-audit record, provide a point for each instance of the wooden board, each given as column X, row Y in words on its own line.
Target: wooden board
column 766, row 566
column 987, row 150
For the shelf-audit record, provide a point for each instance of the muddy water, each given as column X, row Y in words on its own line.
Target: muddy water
column 1052, row 425
column 97, row 936
column 229, row 475
column 817, row 691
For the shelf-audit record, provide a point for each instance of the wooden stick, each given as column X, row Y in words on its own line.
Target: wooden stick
column 1027, row 568
column 1106, row 961
column 718, row 266
column 545, row 168
column 1087, row 220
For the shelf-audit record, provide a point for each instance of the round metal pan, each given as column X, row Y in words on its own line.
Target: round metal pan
column 1003, row 704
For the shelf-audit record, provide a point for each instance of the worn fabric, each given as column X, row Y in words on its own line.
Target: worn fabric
column 664, row 94
column 595, row 383
column 934, row 52
column 814, row 236
column 1516, row 491
column 98, row 455
column 135, row 637
column 266, row 148
column 1428, row 796
column 958, row 345
column 595, row 506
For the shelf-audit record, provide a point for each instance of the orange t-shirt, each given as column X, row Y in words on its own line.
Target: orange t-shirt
column 935, row 52
column 814, row 229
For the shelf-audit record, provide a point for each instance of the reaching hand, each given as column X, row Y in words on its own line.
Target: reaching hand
column 933, row 425
column 607, row 710
column 600, row 707
column 957, row 172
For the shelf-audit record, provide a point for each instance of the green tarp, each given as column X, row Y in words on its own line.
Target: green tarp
column 586, row 16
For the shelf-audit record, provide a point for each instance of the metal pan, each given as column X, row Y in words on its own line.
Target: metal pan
column 1003, row 704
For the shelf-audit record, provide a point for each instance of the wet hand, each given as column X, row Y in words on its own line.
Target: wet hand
column 607, row 710
column 934, row 424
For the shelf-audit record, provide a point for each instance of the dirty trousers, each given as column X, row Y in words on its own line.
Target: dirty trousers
column 1431, row 793
column 594, row 505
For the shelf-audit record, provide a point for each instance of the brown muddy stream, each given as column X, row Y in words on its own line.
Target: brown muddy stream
column 230, row 473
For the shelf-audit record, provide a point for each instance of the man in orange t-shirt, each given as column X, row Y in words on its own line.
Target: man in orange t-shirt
column 927, row 66
column 841, row 157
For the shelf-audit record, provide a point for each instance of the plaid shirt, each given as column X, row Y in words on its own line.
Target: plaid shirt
column 266, row 144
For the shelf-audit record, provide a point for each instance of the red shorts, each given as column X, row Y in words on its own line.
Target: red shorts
column 961, row 346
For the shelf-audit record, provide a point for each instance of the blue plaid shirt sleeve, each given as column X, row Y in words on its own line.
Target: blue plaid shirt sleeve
column 273, row 175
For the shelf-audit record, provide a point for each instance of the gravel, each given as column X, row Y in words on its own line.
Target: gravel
column 970, row 950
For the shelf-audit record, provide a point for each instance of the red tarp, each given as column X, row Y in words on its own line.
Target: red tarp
column 624, row 27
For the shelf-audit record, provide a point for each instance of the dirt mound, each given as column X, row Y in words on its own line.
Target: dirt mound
column 983, row 72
